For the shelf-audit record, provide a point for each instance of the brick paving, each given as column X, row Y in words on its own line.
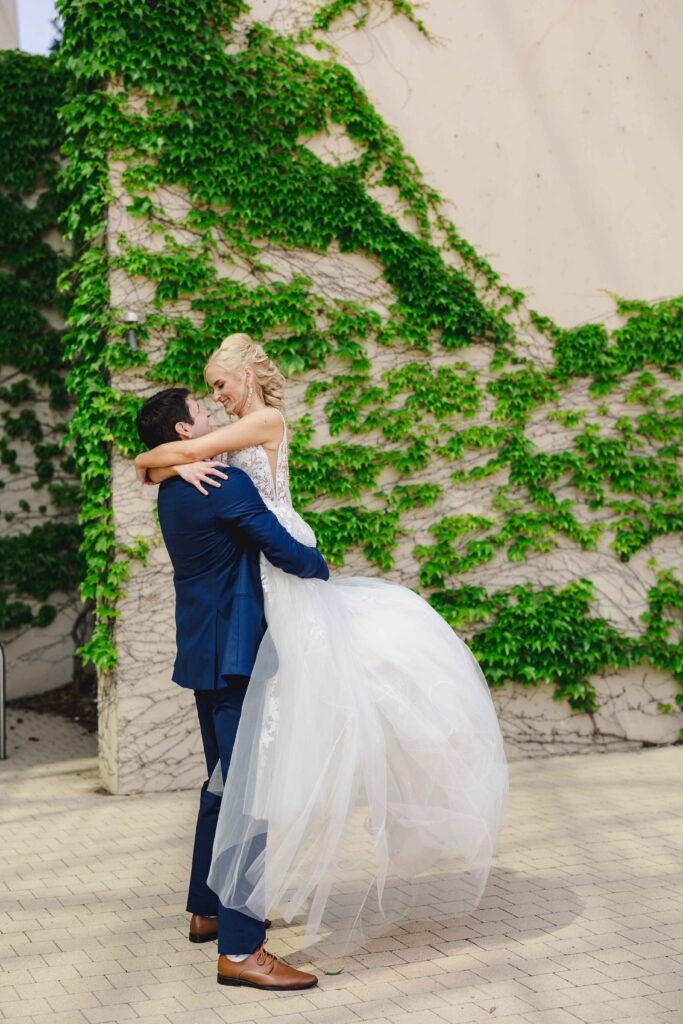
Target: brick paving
column 581, row 923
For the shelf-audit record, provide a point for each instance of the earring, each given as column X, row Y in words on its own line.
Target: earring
column 250, row 395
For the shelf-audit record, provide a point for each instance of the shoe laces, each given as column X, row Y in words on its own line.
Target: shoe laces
column 263, row 957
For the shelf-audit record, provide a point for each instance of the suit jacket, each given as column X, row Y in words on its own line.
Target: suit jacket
column 214, row 542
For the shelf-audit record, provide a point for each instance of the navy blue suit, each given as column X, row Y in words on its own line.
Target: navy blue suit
column 214, row 542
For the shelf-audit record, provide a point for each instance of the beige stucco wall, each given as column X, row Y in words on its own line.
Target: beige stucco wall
column 546, row 127
column 9, row 36
column 552, row 128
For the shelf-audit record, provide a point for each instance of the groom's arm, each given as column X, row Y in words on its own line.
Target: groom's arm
column 239, row 505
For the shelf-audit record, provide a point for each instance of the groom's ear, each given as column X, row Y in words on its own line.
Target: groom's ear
column 183, row 430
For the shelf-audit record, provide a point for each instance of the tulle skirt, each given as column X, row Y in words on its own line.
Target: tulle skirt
column 368, row 779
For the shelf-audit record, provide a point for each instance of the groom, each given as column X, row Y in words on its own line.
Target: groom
column 214, row 542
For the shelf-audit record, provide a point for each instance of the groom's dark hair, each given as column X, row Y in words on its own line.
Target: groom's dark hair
column 158, row 416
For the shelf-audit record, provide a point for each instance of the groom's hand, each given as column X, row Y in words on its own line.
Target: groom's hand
column 142, row 475
column 199, row 473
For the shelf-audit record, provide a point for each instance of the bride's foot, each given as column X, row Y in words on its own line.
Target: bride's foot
column 205, row 929
column 263, row 970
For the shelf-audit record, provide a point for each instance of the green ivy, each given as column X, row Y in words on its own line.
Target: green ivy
column 519, row 393
column 30, row 135
column 330, row 11
column 664, row 615
column 652, row 335
column 548, row 635
column 34, row 560
column 32, row 566
column 540, row 636
column 154, row 87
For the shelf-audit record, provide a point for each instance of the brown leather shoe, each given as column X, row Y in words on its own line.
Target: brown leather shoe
column 263, row 970
column 205, row 929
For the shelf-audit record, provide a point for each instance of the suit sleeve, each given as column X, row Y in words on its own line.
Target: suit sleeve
column 240, row 506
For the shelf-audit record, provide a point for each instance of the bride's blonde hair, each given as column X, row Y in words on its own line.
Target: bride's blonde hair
column 238, row 351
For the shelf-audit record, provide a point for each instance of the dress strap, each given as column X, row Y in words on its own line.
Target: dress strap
column 282, row 416
column 282, row 462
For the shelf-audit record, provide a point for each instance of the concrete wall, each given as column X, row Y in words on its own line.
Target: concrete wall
column 9, row 36
column 548, row 128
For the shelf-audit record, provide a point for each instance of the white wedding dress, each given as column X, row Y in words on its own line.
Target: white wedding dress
column 368, row 779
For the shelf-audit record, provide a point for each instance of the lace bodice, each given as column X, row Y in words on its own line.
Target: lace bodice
column 256, row 464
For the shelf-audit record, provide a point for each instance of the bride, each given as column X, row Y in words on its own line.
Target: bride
column 368, row 755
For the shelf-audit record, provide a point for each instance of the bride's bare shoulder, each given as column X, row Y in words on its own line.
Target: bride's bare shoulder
column 269, row 420
column 269, row 415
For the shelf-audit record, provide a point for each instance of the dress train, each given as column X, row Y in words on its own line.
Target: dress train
column 368, row 779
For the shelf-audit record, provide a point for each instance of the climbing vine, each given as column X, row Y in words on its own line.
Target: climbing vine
column 234, row 222
column 325, row 16
column 39, row 541
column 548, row 635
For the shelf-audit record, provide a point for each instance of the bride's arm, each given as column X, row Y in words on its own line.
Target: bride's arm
column 256, row 428
column 195, row 473
column 155, row 476
column 158, row 475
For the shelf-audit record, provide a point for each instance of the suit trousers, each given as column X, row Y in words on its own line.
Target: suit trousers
column 219, row 714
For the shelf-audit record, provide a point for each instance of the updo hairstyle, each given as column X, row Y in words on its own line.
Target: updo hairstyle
column 236, row 352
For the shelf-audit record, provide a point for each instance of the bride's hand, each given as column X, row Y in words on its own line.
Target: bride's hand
column 198, row 473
